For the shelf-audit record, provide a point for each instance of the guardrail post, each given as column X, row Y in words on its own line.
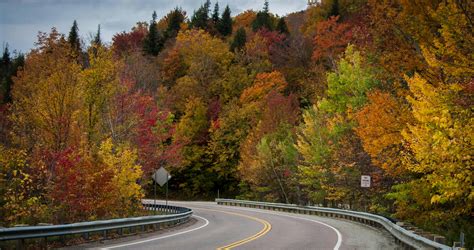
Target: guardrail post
column 105, row 234
column 85, row 236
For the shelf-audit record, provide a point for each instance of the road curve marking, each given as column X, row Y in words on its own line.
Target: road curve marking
column 266, row 228
column 162, row 237
column 339, row 236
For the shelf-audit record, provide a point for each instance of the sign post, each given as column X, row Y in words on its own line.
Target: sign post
column 365, row 183
column 161, row 176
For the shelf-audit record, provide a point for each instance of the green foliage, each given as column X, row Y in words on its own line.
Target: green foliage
column 281, row 26
column 347, row 87
column 200, row 17
column 21, row 195
column 74, row 39
column 263, row 20
column 153, row 42
column 175, row 18
column 224, row 25
column 240, row 38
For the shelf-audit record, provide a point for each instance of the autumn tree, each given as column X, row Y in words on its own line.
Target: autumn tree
column 326, row 136
column 48, row 96
column 126, row 42
column 331, row 40
column 379, row 126
column 268, row 155
column 100, row 81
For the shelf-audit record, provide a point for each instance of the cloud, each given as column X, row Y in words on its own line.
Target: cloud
column 20, row 20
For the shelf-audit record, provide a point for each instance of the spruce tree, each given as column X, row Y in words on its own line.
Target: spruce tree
column 176, row 17
column 265, row 7
column 153, row 42
column 73, row 38
column 215, row 14
column 281, row 26
column 225, row 24
column 5, row 83
column 334, row 9
column 97, row 38
column 240, row 39
column 201, row 16
column 263, row 19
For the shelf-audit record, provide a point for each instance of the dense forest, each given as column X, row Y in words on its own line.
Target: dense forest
column 252, row 105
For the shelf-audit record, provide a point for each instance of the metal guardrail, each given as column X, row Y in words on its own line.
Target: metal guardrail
column 405, row 237
column 176, row 215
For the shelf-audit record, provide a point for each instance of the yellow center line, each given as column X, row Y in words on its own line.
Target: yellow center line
column 266, row 228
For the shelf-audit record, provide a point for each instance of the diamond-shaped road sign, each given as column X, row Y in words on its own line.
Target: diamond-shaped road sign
column 161, row 176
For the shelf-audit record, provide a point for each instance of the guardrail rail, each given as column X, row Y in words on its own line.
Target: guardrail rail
column 405, row 237
column 174, row 215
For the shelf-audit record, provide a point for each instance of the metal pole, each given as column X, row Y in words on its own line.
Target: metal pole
column 167, row 189
column 154, row 194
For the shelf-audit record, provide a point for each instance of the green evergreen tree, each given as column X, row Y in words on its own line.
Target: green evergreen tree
column 263, row 19
column 225, row 23
column 334, row 9
column 200, row 17
column 176, row 17
column 265, row 7
column 8, row 69
column 215, row 14
column 97, row 38
column 281, row 26
column 4, row 75
column 240, row 39
column 73, row 38
column 153, row 42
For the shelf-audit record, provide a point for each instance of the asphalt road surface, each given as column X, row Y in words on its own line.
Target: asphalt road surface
column 226, row 227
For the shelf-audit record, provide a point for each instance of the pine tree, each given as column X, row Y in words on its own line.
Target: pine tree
column 240, row 39
column 281, row 26
column 8, row 69
column 73, row 38
column 153, row 42
column 225, row 24
column 176, row 17
column 265, row 7
column 97, row 38
column 201, row 16
column 334, row 9
column 215, row 14
column 263, row 19
column 4, row 76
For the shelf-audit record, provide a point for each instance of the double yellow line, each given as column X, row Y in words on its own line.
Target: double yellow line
column 266, row 228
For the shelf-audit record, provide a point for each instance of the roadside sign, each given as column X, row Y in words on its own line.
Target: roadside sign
column 365, row 180
column 161, row 176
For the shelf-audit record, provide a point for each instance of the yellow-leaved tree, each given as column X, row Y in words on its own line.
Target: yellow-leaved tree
column 122, row 161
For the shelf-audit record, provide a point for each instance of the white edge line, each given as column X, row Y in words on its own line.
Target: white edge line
column 162, row 237
column 339, row 236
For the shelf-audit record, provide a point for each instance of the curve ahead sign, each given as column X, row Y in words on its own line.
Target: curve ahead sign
column 161, row 176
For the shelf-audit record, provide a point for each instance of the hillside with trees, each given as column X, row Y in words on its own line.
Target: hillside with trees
column 252, row 105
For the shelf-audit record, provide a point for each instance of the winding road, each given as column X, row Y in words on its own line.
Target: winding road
column 226, row 227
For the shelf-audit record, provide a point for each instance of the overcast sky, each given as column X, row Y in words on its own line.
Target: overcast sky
column 20, row 20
